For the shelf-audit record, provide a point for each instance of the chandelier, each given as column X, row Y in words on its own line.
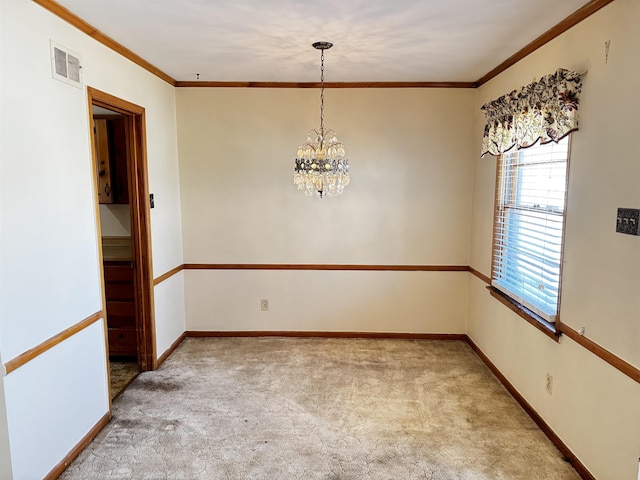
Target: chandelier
column 320, row 167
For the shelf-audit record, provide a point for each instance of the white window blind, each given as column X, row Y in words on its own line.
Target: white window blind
column 529, row 226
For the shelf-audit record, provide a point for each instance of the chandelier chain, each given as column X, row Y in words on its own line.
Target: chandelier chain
column 322, row 93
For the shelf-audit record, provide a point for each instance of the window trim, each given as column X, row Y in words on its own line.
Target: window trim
column 551, row 329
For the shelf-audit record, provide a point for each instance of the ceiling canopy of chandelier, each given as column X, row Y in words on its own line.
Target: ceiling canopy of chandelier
column 320, row 167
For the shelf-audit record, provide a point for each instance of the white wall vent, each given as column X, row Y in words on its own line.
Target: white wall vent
column 65, row 65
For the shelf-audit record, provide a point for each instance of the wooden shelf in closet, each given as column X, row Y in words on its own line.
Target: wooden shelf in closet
column 121, row 312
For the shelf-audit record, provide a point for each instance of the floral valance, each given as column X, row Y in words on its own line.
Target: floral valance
column 546, row 110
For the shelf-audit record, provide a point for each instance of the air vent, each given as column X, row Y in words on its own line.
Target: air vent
column 65, row 65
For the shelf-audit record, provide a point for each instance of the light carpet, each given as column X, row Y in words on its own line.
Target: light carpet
column 309, row 408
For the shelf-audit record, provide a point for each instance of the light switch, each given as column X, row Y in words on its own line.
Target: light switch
column 628, row 221
column 151, row 201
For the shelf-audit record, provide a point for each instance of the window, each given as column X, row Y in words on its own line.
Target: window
column 529, row 227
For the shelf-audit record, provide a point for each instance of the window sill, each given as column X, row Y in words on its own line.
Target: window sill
column 540, row 323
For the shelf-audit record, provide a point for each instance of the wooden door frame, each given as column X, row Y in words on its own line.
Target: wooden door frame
column 135, row 128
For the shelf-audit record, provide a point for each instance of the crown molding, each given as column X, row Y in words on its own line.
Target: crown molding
column 71, row 18
column 576, row 17
column 205, row 84
column 573, row 19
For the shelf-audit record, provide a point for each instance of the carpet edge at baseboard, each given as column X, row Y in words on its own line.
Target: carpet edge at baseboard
column 535, row 416
column 323, row 334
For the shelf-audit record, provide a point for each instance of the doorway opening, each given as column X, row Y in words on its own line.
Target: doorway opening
column 120, row 172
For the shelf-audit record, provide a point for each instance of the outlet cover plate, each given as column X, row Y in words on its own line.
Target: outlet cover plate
column 628, row 221
column 549, row 385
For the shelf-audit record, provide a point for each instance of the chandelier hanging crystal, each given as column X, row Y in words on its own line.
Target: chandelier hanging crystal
column 320, row 167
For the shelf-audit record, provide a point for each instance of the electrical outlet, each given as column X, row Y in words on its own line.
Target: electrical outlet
column 549, row 386
column 264, row 305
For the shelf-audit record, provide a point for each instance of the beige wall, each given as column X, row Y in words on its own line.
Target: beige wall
column 115, row 220
column 431, row 302
column 408, row 203
column 49, row 260
column 5, row 453
column 594, row 408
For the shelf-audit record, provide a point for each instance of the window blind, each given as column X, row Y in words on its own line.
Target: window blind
column 529, row 226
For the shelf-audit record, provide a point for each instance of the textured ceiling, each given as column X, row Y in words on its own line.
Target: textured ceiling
column 374, row 40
